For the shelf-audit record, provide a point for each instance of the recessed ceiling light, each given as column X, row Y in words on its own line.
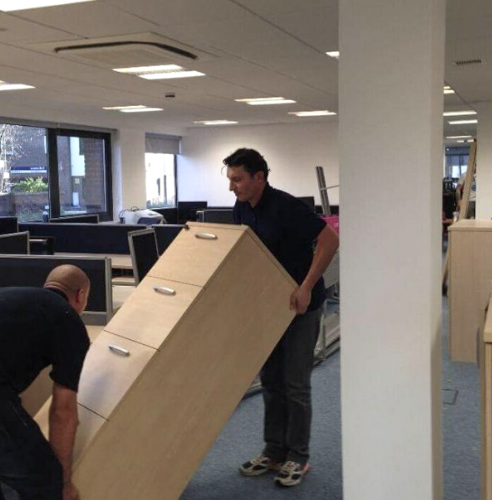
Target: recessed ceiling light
column 172, row 74
column 119, row 108
column 260, row 101
column 459, row 113
column 160, row 72
column 448, row 90
column 319, row 113
column 8, row 86
column 140, row 110
column 458, row 137
column 462, row 122
column 10, row 5
column 216, row 122
column 136, row 70
column 335, row 54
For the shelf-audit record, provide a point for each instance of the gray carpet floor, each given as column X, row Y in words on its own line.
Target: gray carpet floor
column 218, row 478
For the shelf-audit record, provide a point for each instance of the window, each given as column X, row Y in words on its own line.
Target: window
column 160, row 170
column 47, row 172
column 24, row 178
column 456, row 162
column 160, row 180
column 82, row 173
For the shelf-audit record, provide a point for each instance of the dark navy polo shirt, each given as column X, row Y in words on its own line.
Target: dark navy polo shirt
column 288, row 228
column 38, row 328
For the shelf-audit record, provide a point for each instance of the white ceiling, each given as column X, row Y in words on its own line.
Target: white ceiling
column 246, row 48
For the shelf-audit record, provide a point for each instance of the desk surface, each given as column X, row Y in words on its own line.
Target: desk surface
column 120, row 261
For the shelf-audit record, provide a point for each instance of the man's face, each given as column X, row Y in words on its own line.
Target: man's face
column 246, row 187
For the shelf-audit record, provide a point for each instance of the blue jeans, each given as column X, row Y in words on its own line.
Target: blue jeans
column 286, row 380
column 28, row 465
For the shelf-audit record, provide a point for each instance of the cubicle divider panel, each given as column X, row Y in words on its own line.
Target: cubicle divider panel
column 165, row 234
column 85, row 238
column 15, row 243
column 31, row 271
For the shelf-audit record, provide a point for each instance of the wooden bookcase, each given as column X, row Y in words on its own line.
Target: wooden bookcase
column 168, row 370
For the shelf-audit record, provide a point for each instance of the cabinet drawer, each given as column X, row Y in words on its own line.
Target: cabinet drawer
column 112, row 365
column 153, row 311
column 195, row 254
column 89, row 425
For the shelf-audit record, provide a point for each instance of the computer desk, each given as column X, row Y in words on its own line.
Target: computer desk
column 118, row 261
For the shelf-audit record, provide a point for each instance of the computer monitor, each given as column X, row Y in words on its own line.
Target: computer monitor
column 223, row 216
column 309, row 201
column 187, row 210
column 8, row 224
column 14, row 243
column 165, row 234
column 143, row 249
column 80, row 218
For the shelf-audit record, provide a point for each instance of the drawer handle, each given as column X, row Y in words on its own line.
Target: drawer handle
column 206, row 236
column 165, row 290
column 119, row 350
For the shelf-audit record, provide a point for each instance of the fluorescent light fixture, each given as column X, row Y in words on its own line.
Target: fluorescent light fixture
column 120, row 108
column 457, row 137
column 260, row 101
column 172, row 74
column 140, row 110
column 448, row 90
column 216, row 122
column 160, row 72
column 462, row 122
column 460, row 141
column 136, row 70
column 7, row 86
column 334, row 54
column 319, row 113
column 469, row 141
column 459, row 113
column 10, row 5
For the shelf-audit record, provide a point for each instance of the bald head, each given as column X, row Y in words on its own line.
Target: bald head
column 73, row 282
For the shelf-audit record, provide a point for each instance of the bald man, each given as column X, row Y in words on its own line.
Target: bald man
column 40, row 327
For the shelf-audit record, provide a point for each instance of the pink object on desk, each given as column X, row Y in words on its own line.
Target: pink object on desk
column 333, row 221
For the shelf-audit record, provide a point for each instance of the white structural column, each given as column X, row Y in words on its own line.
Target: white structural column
column 484, row 161
column 129, row 169
column 391, row 104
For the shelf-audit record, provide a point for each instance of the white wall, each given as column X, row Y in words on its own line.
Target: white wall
column 292, row 152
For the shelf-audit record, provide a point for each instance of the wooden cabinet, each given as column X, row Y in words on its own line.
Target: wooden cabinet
column 166, row 300
column 485, row 361
column 470, row 284
column 192, row 354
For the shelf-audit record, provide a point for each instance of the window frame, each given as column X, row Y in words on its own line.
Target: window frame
column 53, row 135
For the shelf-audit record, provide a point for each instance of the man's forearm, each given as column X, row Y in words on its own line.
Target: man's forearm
column 63, row 428
column 326, row 248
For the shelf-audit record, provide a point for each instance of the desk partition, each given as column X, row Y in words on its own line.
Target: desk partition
column 85, row 237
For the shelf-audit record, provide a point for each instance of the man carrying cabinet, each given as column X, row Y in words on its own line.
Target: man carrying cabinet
column 289, row 229
column 41, row 327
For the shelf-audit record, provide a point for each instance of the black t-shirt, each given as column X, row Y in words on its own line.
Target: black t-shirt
column 288, row 228
column 38, row 328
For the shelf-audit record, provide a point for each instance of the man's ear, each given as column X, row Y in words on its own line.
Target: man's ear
column 259, row 176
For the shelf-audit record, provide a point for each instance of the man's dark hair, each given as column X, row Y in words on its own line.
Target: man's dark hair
column 250, row 159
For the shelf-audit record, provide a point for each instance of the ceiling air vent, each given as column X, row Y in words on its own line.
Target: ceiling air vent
column 124, row 51
column 469, row 62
